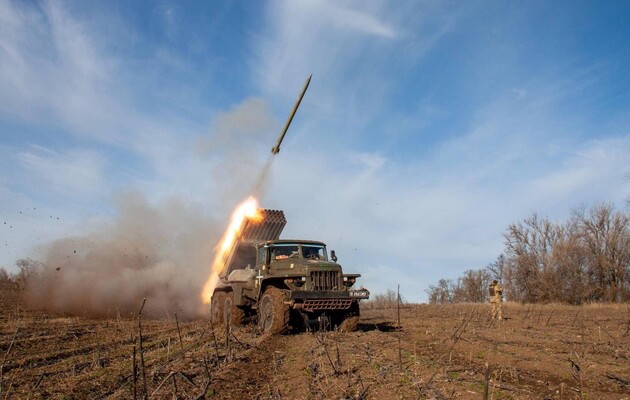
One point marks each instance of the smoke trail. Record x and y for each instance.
(242, 141)
(259, 185)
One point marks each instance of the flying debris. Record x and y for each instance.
(276, 148)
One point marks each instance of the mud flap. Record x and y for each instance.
(238, 294)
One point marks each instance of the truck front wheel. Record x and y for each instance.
(273, 314)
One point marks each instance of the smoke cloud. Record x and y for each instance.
(242, 140)
(159, 252)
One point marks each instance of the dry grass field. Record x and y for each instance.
(437, 352)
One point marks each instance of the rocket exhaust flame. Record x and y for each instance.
(247, 210)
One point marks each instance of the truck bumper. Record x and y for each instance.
(326, 300)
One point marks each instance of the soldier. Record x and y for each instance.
(496, 299)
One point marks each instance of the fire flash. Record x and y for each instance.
(247, 210)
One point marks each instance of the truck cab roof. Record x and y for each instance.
(289, 241)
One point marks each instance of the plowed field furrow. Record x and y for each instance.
(32, 346)
(438, 352)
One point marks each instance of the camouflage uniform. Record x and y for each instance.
(496, 300)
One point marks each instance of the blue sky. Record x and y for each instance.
(428, 126)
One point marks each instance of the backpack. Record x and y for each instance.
(491, 290)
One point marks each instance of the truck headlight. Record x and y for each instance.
(349, 281)
(299, 281)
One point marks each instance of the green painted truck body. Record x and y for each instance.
(297, 279)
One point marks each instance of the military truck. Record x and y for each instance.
(284, 284)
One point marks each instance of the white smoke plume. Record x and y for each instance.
(160, 252)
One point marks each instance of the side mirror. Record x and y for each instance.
(333, 256)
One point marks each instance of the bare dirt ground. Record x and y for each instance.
(438, 352)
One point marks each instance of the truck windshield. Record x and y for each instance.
(283, 251)
(314, 252)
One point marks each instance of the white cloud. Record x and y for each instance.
(345, 18)
(49, 68)
(372, 161)
(73, 172)
(53, 73)
(592, 172)
(313, 36)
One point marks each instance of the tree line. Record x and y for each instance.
(584, 259)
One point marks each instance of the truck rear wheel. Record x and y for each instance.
(273, 314)
(232, 314)
(217, 305)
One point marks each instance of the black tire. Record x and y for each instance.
(217, 305)
(231, 313)
(350, 320)
(273, 314)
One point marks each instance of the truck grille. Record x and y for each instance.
(324, 280)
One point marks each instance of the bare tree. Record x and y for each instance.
(470, 288)
(442, 293)
(529, 246)
(497, 268)
(474, 285)
(384, 300)
(605, 233)
(571, 278)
